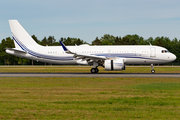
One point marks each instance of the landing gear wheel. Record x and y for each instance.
(97, 70)
(152, 71)
(94, 70)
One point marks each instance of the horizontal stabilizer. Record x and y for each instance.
(17, 50)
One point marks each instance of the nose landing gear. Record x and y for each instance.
(152, 69)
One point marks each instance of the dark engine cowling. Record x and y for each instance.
(117, 64)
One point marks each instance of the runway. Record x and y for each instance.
(109, 75)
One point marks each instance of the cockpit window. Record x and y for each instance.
(165, 51)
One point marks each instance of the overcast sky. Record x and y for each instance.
(88, 19)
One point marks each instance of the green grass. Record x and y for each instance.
(89, 98)
(85, 69)
(159, 86)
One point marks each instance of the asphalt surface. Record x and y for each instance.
(110, 75)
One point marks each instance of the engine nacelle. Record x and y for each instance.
(117, 64)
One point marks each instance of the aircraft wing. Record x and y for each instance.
(94, 57)
(83, 56)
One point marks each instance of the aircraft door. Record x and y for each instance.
(152, 52)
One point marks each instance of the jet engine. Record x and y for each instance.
(117, 64)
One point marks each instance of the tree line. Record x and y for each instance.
(172, 45)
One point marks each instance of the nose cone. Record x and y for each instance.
(173, 57)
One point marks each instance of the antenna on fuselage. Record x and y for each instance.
(150, 44)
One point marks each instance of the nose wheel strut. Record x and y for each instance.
(152, 69)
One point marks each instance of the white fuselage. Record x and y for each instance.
(132, 54)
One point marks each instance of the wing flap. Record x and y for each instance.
(85, 56)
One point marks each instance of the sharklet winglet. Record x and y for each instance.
(65, 48)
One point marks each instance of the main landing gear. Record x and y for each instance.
(94, 70)
(152, 69)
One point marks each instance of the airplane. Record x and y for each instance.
(111, 57)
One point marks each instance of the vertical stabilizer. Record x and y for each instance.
(20, 36)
